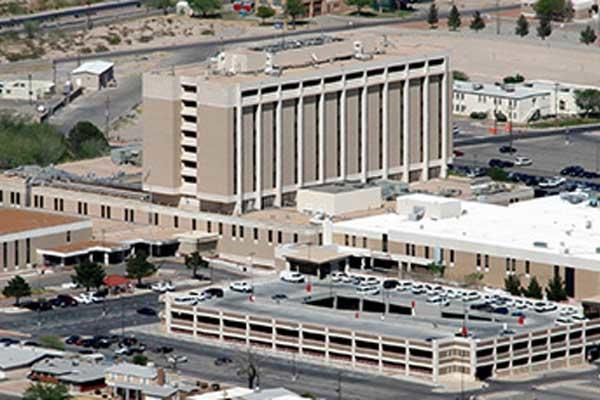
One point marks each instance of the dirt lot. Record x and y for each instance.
(146, 32)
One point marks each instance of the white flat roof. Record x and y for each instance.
(93, 67)
(488, 89)
(547, 230)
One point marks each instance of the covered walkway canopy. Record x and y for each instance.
(74, 253)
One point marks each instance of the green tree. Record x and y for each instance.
(17, 287)
(138, 267)
(588, 36)
(522, 28)
(359, 4)
(433, 17)
(205, 7)
(89, 275)
(460, 76)
(550, 9)
(52, 342)
(556, 291)
(46, 391)
(454, 21)
(512, 284)
(497, 174)
(31, 28)
(294, 9)
(534, 290)
(544, 28)
(193, 261)
(517, 78)
(140, 359)
(265, 12)
(477, 23)
(85, 140)
(588, 101)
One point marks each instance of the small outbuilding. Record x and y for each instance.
(93, 75)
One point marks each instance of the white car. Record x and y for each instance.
(185, 301)
(523, 161)
(544, 307)
(471, 296)
(552, 182)
(163, 287)
(579, 318)
(404, 285)
(177, 359)
(453, 294)
(122, 351)
(69, 285)
(438, 300)
(339, 277)
(291, 276)
(84, 298)
(367, 289)
(568, 310)
(199, 296)
(243, 287)
(417, 288)
(371, 280)
(563, 321)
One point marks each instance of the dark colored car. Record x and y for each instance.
(481, 307)
(223, 361)
(64, 300)
(102, 342)
(89, 343)
(279, 296)
(390, 284)
(8, 341)
(214, 292)
(507, 149)
(162, 350)
(73, 339)
(128, 342)
(31, 305)
(147, 311)
(138, 349)
(573, 170)
(501, 310)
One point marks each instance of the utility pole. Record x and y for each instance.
(30, 89)
(497, 17)
(107, 117)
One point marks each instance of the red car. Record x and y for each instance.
(458, 153)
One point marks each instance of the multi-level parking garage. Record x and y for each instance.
(381, 333)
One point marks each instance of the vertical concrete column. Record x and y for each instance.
(195, 324)
(380, 354)
(530, 350)
(274, 334)
(445, 122)
(258, 153)
(510, 355)
(583, 341)
(568, 345)
(327, 344)
(221, 326)
(353, 349)
(425, 122)
(363, 130)
(239, 151)
(385, 127)
(406, 127)
(347, 265)
(343, 133)
(300, 339)
(247, 330)
(406, 358)
(278, 155)
(473, 366)
(321, 131)
(169, 317)
(300, 133)
(435, 361)
(106, 259)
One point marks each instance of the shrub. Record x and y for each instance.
(460, 76)
(207, 32)
(140, 359)
(85, 50)
(518, 78)
(52, 342)
(497, 174)
(113, 39)
(101, 48)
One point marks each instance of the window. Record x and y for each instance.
(426, 251)
(208, 226)
(27, 250)
(320, 239)
(384, 242)
(346, 240)
(487, 262)
(233, 231)
(220, 227)
(5, 255)
(507, 264)
(176, 221)
(156, 219)
(452, 256)
(255, 233)
(241, 231)
(478, 262)
(194, 224)
(353, 241)
(407, 249)
(527, 267)
(364, 242)
(279, 237)
(556, 271)
(16, 252)
(270, 236)
(295, 238)
(68, 236)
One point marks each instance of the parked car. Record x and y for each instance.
(177, 359)
(367, 289)
(123, 351)
(185, 301)
(279, 297)
(573, 170)
(471, 296)
(163, 287)
(223, 360)
(242, 286)
(501, 310)
(213, 292)
(8, 341)
(563, 321)
(291, 276)
(497, 163)
(147, 311)
(417, 288)
(390, 284)
(523, 161)
(438, 300)
(63, 300)
(340, 277)
(550, 183)
(73, 339)
(404, 285)
(458, 153)
(507, 149)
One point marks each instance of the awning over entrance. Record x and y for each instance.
(74, 253)
(314, 260)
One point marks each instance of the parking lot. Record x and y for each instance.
(388, 311)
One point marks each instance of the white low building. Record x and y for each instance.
(25, 89)
(519, 103)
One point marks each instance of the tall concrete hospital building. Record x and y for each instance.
(249, 128)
